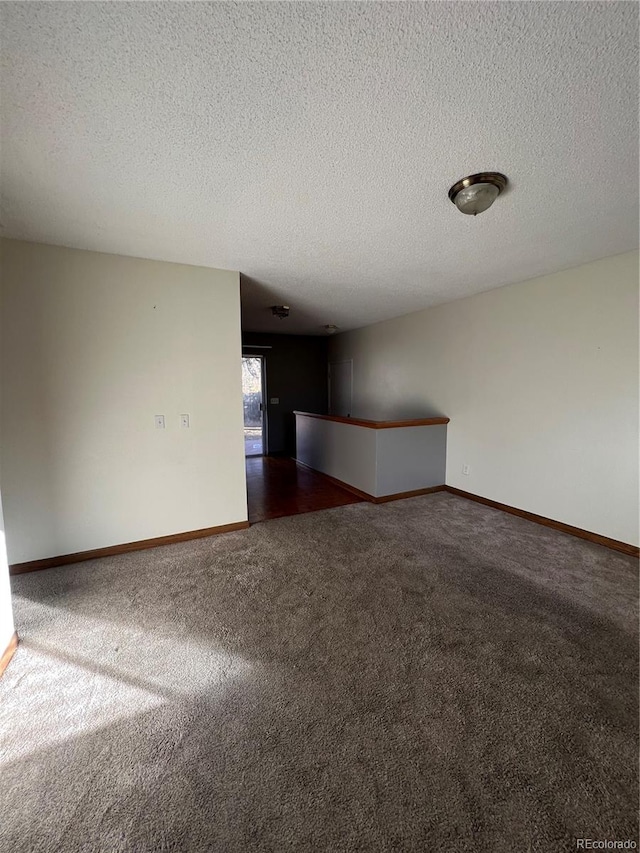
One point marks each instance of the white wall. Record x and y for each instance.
(540, 380)
(93, 346)
(380, 462)
(343, 451)
(410, 458)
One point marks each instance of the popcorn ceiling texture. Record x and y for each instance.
(311, 145)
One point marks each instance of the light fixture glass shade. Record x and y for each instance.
(476, 198)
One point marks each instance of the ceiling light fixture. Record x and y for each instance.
(476, 193)
(281, 311)
(330, 329)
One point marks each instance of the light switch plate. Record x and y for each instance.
(184, 421)
(274, 401)
(159, 419)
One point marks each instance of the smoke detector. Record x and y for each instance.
(281, 311)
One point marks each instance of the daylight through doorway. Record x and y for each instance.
(253, 404)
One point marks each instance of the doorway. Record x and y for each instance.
(253, 404)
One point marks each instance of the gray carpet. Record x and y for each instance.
(425, 675)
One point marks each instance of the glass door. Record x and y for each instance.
(253, 402)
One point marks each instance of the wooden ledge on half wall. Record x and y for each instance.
(362, 422)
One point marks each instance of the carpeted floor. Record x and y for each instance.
(425, 675)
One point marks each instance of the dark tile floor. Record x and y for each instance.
(278, 486)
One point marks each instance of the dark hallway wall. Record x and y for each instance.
(296, 368)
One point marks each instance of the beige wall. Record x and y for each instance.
(540, 380)
(93, 346)
(6, 612)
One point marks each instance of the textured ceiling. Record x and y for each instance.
(311, 145)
